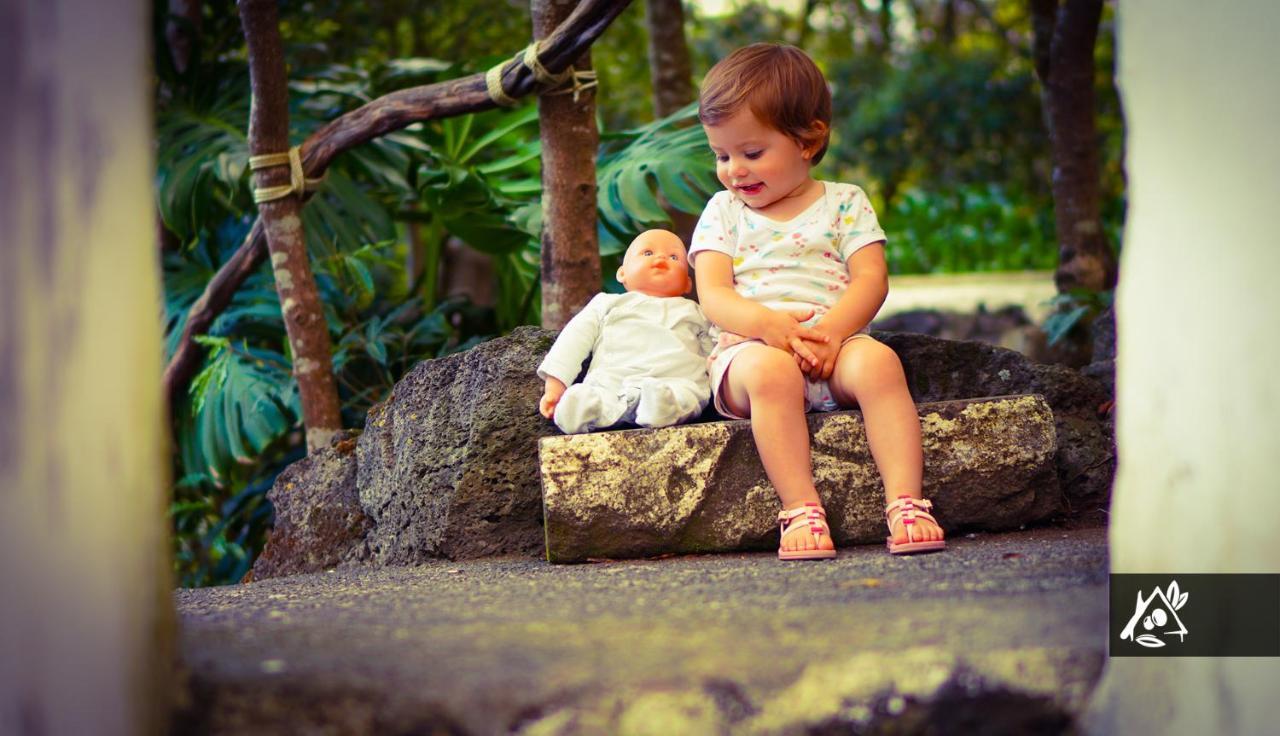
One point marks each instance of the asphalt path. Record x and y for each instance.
(706, 643)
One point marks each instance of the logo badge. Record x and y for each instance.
(1157, 617)
(1177, 614)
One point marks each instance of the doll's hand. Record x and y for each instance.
(825, 352)
(551, 393)
(784, 330)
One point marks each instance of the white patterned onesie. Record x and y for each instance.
(648, 363)
(797, 264)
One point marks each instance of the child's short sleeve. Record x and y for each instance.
(717, 229)
(856, 221)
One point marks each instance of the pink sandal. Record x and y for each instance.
(812, 518)
(906, 509)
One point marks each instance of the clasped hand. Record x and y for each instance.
(815, 349)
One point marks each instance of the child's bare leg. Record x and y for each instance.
(765, 384)
(869, 375)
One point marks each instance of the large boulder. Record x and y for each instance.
(448, 464)
(945, 370)
(319, 523)
(701, 487)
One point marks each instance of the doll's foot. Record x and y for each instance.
(586, 408)
(578, 411)
(657, 406)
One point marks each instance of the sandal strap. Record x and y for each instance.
(807, 509)
(811, 517)
(906, 510)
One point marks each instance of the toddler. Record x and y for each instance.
(791, 270)
(648, 348)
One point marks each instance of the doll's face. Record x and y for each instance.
(656, 264)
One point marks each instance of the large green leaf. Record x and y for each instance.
(665, 160)
(201, 156)
(243, 401)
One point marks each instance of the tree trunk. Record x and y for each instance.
(299, 298)
(181, 30)
(1064, 41)
(86, 628)
(670, 72)
(947, 32)
(392, 111)
(886, 28)
(570, 250)
(804, 29)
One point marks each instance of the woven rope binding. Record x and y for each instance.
(298, 181)
(582, 80)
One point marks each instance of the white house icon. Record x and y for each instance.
(1158, 614)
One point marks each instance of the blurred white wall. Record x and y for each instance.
(85, 612)
(1198, 320)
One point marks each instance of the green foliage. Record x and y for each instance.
(1074, 309)
(203, 160)
(969, 228)
(218, 534)
(941, 118)
(232, 439)
(667, 160)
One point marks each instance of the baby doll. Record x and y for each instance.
(648, 348)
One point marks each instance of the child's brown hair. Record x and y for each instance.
(781, 86)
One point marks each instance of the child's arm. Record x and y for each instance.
(735, 313)
(856, 307)
(564, 361)
(867, 289)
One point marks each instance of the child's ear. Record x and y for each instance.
(818, 132)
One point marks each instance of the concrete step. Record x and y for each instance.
(741, 643)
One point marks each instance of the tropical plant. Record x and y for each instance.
(644, 173)
(969, 228)
(239, 427)
(1074, 310)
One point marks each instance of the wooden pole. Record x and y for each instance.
(570, 246)
(299, 298)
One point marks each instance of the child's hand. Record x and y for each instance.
(784, 330)
(551, 393)
(825, 352)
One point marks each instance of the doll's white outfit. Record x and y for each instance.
(797, 264)
(648, 363)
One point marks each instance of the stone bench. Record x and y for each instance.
(989, 464)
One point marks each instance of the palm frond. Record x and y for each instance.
(665, 160)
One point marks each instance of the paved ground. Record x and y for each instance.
(736, 643)
(963, 292)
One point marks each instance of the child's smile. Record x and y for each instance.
(761, 165)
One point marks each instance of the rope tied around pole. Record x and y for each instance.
(582, 80)
(298, 181)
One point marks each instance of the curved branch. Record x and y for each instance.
(388, 113)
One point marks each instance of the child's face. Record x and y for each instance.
(759, 164)
(656, 264)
